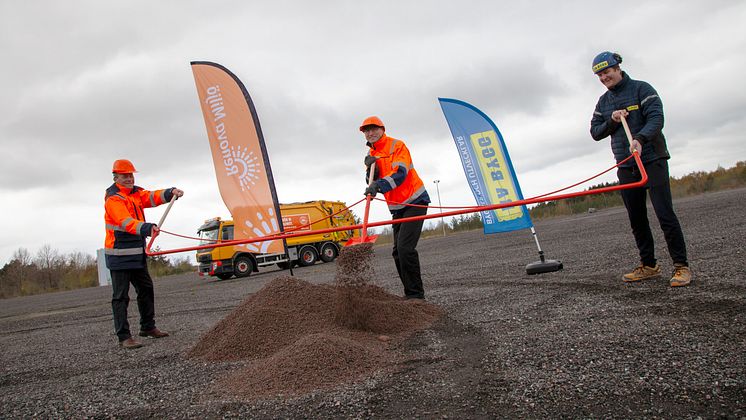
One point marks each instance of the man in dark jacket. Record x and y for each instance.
(640, 105)
(126, 230)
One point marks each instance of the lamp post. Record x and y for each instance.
(437, 189)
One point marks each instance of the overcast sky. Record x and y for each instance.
(88, 82)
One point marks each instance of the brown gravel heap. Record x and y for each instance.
(319, 360)
(297, 340)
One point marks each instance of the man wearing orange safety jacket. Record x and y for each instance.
(126, 230)
(396, 178)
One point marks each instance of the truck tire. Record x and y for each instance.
(243, 266)
(329, 252)
(307, 256)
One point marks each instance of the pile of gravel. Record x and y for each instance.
(298, 337)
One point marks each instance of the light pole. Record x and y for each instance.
(437, 189)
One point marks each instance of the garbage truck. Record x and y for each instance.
(304, 250)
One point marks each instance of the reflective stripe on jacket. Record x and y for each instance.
(126, 228)
(398, 180)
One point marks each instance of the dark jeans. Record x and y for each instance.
(120, 285)
(406, 258)
(635, 200)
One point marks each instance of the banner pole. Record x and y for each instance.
(536, 239)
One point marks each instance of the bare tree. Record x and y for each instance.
(50, 263)
(48, 258)
(80, 260)
(22, 256)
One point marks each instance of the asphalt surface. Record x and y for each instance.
(578, 343)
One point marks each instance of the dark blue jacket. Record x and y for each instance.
(645, 120)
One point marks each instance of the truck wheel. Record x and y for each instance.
(329, 252)
(242, 267)
(307, 256)
(225, 276)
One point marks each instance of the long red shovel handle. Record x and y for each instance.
(368, 199)
(364, 234)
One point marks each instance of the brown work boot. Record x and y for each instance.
(682, 276)
(642, 272)
(130, 343)
(154, 333)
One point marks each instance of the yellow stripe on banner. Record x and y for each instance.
(496, 174)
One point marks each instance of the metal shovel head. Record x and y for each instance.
(546, 266)
(361, 240)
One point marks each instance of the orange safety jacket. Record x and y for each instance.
(126, 228)
(397, 178)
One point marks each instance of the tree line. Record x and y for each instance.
(50, 271)
(691, 184)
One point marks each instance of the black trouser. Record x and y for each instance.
(635, 200)
(120, 285)
(406, 258)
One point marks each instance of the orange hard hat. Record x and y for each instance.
(372, 121)
(123, 166)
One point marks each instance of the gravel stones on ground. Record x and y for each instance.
(577, 343)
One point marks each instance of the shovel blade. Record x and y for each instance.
(361, 240)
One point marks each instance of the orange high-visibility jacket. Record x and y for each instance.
(398, 180)
(126, 228)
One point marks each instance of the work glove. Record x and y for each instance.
(369, 160)
(148, 229)
(372, 189)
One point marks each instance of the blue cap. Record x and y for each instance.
(606, 59)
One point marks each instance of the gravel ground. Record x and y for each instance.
(578, 343)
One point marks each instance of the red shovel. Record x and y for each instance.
(364, 238)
